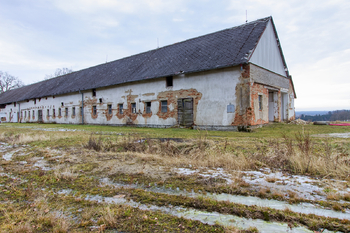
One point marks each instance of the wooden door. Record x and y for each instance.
(185, 112)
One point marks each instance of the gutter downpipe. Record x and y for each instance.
(82, 107)
(19, 113)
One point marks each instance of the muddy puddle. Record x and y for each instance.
(303, 186)
(202, 216)
(305, 208)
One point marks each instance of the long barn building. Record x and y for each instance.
(230, 79)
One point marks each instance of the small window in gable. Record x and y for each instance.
(164, 105)
(93, 92)
(148, 107)
(169, 81)
(14, 104)
(133, 107)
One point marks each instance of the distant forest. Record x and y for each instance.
(338, 115)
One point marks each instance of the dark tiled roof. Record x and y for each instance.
(226, 48)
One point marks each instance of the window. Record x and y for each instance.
(25, 114)
(81, 111)
(29, 114)
(120, 108)
(169, 81)
(100, 100)
(73, 111)
(48, 112)
(109, 106)
(148, 107)
(33, 114)
(34, 101)
(133, 107)
(62, 104)
(14, 104)
(94, 110)
(22, 114)
(93, 92)
(66, 112)
(59, 112)
(53, 112)
(164, 105)
(260, 102)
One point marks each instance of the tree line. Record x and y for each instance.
(338, 115)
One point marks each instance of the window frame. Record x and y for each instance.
(53, 112)
(94, 110)
(120, 108)
(148, 108)
(48, 113)
(59, 112)
(73, 111)
(164, 106)
(260, 101)
(109, 108)
(94, 92)
(66, 112)
(133, 108)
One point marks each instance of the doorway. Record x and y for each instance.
(185, 112)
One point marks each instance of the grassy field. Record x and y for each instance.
(54, 177)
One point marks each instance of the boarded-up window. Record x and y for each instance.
(164, 105)
(120, 106)
(133, 107)
(73, 111)
(109, 106)
(148, 107)
(94, 110)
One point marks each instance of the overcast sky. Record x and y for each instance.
(38, 36)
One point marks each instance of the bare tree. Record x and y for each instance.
(9, 82)
(59, 72)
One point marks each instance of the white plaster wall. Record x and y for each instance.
(217, 89)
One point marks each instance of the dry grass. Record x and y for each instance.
(65, 173)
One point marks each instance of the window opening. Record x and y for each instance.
(93, 92)
(66, 112)
(120, 108)
(59, 112)
(14, 104)
(25, 114)
(260, 102)
(62, 104)
(109, 109)
(133, 107)
(54, 112)
(81, 111)
(33, 113)
(94, 110)
(164, 105)
(48, 112)
(34, 101)
(73, 111)
(29, 114)
(169, 81)
(100, 100)
(148, 107)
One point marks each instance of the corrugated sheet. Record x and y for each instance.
(221, 49)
